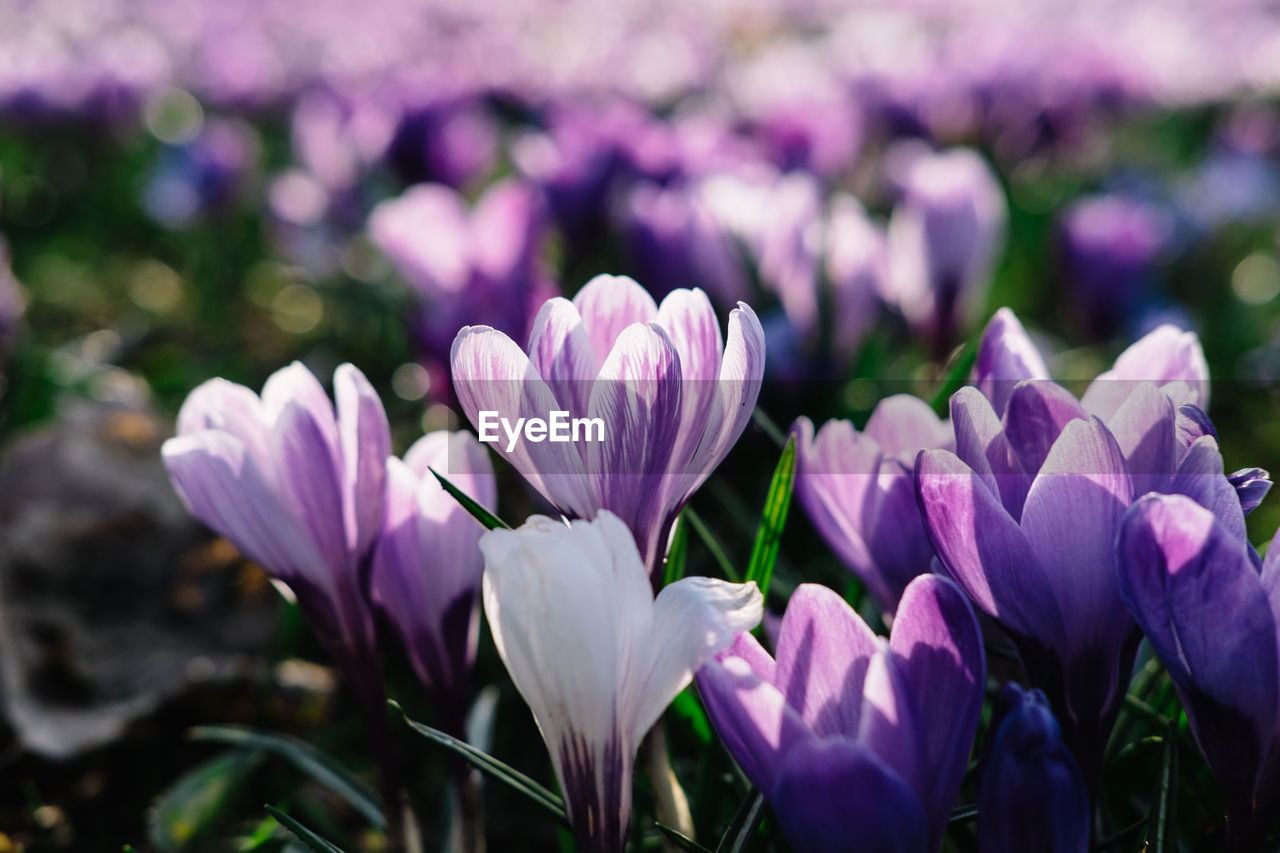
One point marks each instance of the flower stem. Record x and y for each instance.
(672, 804)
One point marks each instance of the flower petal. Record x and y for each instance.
(1036, 415)
(833, 795)
(1199, 477)
(984, 550)
(1166, 356)
(365, 439)
(824, 649)
(1006, 356)
(1145, 427)
(981, 443)
(889, 723)
(937, 639)
(562, 355)
(694, 619)
(610, 303)
(1195, 592)
(903, 425)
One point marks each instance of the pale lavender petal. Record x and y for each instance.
(981, 443)
(311, 486)
(889, 724)
(608, 304)
(903, 425)
(298, 386)
(1164, 356)
(1145, 427)
(366, 443)
(824, 650)
(562, 355)
(1036, 415)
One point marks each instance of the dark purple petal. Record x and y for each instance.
(1200, 478)
(833, 795)
(1145, 427)
(1196, 594)
(984, 550)
(982, 445)
(1251, 485)
(936, 636)
(1035, 417)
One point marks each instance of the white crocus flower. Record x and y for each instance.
(595, 656)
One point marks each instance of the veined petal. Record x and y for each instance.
(984, 550)
(1006, 356)
(230, 408)
(221, 485)
(937, 639)
(738, 386)
(694, 619)
(297, 385)
(824, 649)
(1196, 594)
(833, 795)
(1036, 415)
(608, 304)
(311, 486)
(639, 397)
(366, 443)
(1070, 519)
(689, 320)
(561, 353)
(490, 373)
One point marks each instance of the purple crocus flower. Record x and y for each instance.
(671, 395)
(450, 140)
(944, 236)
(1024, 517)
(855, 741)
(467, 267)
(1211, 610)
(595, 655)
(1110, 245)
(1030, 794)
(1006, 356)
(427, 565)
(859, 490)
(299, 490)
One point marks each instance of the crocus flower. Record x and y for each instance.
(451, 140)
(1211, 610)
(595, 655)
(856, 263)
(1024, 517)
(859, 490)
(427, 564)
(944, 236)
(1109, 246)
(1030, 794)
(299, 490)
(671, 395)
(857, 742)
(466, 267)
(1006, 356)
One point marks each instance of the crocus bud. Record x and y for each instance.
(1030, 795)
(427, 564)
(1110, 245)
(595, 656)
(944, 236)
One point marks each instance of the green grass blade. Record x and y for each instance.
(479, 513)
(744, 823)
(191, 807)
(679, 839)
(306, 758)
(713, 545)
(777, 505)
(1162, 823)
(490, 766)
(306, 836)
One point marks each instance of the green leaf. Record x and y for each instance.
(709, 539)
(306, 836)
(679, 839)
(324, 769)
(744, 823)
(687, 707)
(961, 364)
(479, 513)
(777, 504)
(490, 766)
(1163, 828)
(194, 803)
(678, 554)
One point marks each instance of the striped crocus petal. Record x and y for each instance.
(595, 657)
